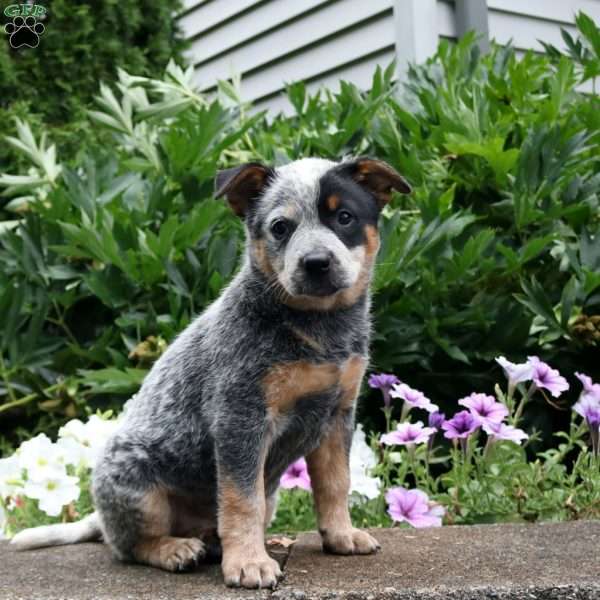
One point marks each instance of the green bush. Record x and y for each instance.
(83, 43)
(496, 252)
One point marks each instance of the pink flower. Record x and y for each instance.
(502, 431)
(414, 507)
(516, 373)
(484, 408)
(460, 426)
(547, 378)
(413, 398)
(408, 433)
(296, 475)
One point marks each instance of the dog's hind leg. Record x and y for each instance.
(157, 546)
(138, 522)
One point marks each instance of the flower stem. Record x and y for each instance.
(18, 402)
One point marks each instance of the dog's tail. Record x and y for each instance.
(86, 530)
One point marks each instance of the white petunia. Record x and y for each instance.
(41, 458)
(72, 452)
(53, 493)
(10, 476)
(515, 373)
(92, 435)
(362, 460)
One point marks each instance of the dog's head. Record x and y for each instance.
(312, 224)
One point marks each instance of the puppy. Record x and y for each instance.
(268, 373)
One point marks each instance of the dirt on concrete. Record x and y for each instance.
(523, 562)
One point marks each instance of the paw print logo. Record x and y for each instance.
(24, 32)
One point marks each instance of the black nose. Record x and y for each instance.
(317, 262)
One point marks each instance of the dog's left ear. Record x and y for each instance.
(377, 177)
(242, 185)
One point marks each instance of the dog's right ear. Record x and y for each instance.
(242, 185)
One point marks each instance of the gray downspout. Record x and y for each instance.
(473, 15)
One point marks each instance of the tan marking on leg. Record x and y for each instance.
(157, 547)
(156, 512)
(241, 518)
(285, 383)
(241, 529)
(330, 480)
(308, 340)
(333, 202)
(352, 373)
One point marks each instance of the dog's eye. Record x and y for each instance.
(344, 217)
(279, 229)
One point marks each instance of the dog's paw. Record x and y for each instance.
(181, 554)
(351, 541)
(251, 572)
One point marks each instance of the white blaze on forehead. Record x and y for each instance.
(302, 176)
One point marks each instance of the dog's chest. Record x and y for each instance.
(286, 383)
(302, 398)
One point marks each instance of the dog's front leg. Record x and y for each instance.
(328, 466)
(242, 508)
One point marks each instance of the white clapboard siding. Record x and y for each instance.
(446, 25)
(275, 42)
(360, 73)
(253, 24)
(367, 24)
(525, 22)
(212, 13)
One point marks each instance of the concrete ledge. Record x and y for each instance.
(558, 561)
(551, 561)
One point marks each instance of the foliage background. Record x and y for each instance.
(108, 255)
(83, 43)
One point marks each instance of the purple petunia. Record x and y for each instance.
(547, 378)
(484, 408)
(413, 507)
(383, 382)
(588, 405)
(460, 426)
(589, 387)
(589, 408)
(413, 398)
(502, 431)
(436, 420)
(296, 475)
(408, 433)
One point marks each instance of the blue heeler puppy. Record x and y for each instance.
(268, 373)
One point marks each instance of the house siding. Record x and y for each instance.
(273, 42)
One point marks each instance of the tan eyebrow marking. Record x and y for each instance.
(333, 202)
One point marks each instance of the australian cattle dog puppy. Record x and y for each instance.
(268, 373)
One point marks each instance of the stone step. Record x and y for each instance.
(552, 561)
